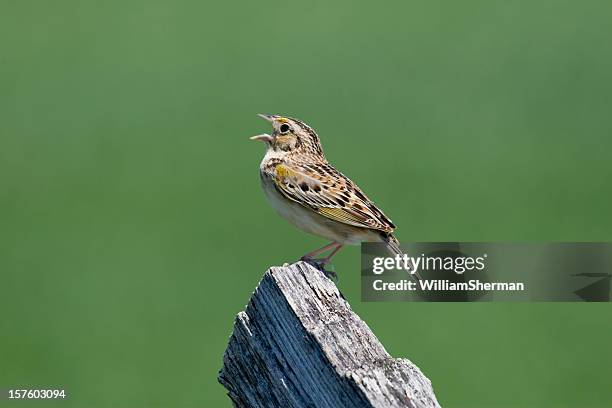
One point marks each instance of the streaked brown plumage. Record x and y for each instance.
(311, 194)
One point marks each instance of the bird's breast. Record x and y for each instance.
(309, 221)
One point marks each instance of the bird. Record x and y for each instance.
(310, 193)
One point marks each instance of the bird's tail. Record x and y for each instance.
(393, 245)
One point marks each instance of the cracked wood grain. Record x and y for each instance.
(298, 344)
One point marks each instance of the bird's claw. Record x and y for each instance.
(330, 274)
(320, 265)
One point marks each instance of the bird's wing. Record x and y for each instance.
(328, 192)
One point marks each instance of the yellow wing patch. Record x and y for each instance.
(282, 172)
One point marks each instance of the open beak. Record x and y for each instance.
(262, 138)
(265, 137)
(269, 118)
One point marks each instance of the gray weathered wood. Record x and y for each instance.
(299, 344)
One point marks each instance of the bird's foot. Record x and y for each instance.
(320, 265)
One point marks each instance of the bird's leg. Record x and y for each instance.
(328, 258)
(310, 256)
(330, 274)
(320, 263)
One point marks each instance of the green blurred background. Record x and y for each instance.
(133, 228)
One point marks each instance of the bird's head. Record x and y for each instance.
(290, 135)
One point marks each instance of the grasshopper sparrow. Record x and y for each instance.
(311, 194)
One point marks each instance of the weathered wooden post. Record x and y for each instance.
(298, 344)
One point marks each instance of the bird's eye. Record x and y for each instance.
(284, 128)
